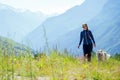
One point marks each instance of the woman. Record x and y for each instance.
(88, 42)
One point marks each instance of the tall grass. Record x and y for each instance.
(56, 66)
(23, 65)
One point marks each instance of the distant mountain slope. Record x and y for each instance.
(105, 27)
(16, 24)
(60, 25)
(108, 22)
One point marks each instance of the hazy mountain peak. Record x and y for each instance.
(17, 23)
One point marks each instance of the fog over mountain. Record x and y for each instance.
(16, 23)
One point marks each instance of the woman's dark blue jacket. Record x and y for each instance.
(87, 37)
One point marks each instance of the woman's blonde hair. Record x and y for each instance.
(83, 25)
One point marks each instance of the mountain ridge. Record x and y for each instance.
(64, 23)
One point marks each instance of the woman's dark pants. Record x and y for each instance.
(87, 49)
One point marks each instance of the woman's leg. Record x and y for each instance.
(89, 57)
(85, 50)
(90, 47)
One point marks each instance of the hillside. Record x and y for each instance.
(10, 47)
(105, 27)
(107, 35)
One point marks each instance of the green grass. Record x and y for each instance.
(56, 66)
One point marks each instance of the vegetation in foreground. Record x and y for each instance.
(19, 64)
(55, 66)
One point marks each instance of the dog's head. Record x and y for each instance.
(99, 53)
(102, 55)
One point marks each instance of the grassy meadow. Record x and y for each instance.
(20, 64)
(55, 66)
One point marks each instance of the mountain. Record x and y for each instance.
(105, 27)
(15, 23)
(55, 27)
(107, 33)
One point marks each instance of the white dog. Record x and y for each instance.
(102, 55)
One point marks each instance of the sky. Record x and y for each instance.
(45, 6)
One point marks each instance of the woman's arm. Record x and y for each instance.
(81, 38)
(91, 35)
